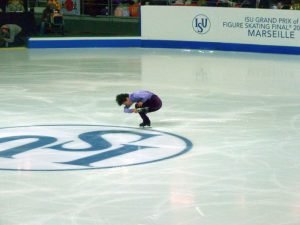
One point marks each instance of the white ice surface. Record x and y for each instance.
(241, 111)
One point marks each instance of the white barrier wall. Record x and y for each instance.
(266, 27)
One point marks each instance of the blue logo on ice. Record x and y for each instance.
(77, 147)
(201, 24)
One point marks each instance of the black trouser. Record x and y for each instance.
(154, 104)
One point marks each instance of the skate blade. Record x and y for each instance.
(146, 127)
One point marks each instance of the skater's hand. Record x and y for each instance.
(135, 110)
(140, 104)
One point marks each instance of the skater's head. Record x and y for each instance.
(123, 99)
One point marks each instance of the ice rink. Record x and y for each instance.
(224, 149)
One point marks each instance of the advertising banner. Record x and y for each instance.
(222, 25)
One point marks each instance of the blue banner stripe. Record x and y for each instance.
(220, 46)
(118, 43)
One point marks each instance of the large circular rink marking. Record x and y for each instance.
(81, 147)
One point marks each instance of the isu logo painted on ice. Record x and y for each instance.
(201, 24)
(77, 147)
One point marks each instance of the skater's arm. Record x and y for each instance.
(128, 110)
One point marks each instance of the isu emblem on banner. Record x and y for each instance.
(201, 24)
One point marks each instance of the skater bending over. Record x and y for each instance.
(145, 102)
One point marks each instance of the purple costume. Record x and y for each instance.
(149, 100)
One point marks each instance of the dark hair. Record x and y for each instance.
(121, 98)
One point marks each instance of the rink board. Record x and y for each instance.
(254, 30)
(248, 30)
